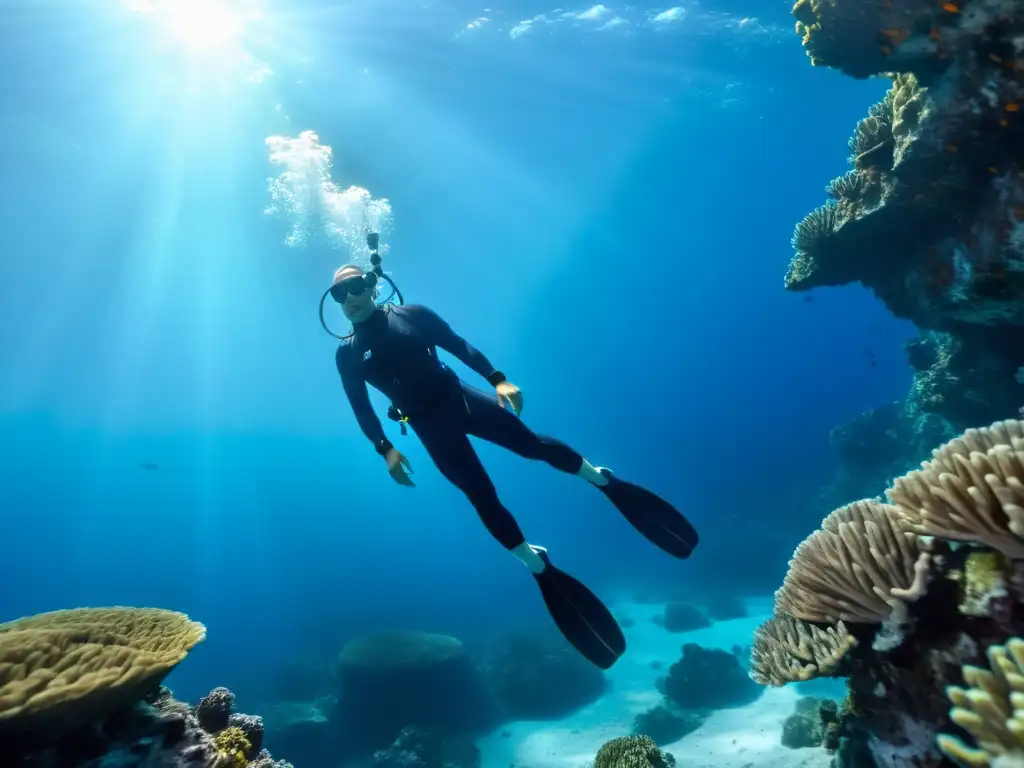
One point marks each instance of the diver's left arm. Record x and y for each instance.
(440, 334)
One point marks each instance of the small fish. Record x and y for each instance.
(148, 466)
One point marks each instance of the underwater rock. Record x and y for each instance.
(664, 725)
(708, 678)
(393, 679)
(682, 617)
(540, 678)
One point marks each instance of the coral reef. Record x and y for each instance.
(930, 217)
(632, 752)
(708, 678)
(962, 507)
(82, 687)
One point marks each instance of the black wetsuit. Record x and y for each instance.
(395, 352)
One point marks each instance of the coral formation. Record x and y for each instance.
(859, 567)
(632, 752)
(808, 725)
(82, 688)
(66, 667)
(962, 502)
(971, 490)
(789, 650)
(232, 744)
(708, 678)
(930, 217)
(214, 709)
(991, 710)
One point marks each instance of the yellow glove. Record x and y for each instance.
(510, 397)
(397, 464)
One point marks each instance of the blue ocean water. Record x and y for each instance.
(598, 197)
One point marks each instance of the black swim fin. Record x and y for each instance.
(580, 615)
(655, 518)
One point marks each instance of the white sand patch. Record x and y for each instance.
(746, 737)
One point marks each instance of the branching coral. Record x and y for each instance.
(859, 567)
(991, 710)
(788, 650)
(971, 490)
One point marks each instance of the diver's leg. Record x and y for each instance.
(489, 421)
(655, 518)
(453, 454)
(581, 617)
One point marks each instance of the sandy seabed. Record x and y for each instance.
(745, 737)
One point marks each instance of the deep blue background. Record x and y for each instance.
(605, 213)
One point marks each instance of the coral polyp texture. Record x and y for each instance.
(903, 600)
(859, 567)
(971, 490)
(69, 665)
(991, 710)
(790, 650)
(930, 216)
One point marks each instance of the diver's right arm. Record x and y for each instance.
(359, 398)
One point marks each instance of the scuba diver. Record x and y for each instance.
(393, 348)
